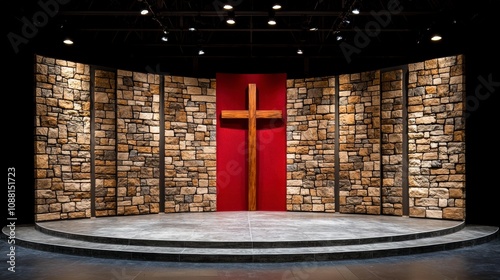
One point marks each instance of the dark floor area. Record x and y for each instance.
(474, 263)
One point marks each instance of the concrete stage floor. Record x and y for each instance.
(245, 237)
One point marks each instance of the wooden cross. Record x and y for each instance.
(252, 114)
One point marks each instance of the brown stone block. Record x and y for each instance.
(81, 176)
(453, 213)
(47, 217)
(101, 213)
(320, 84)
(48, 121)
(459, 136)
(81, 195)
(297, 199)
(131, 191)
(457, 178)
(417, 212)
(40, 173)
(440, 171)
(199, 136)
(456, 193)
(459, 203)
(373, 210)
(430, 89)
(457, 70)
(131, 210)
(125, 111)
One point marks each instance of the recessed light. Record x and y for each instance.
(436, 37)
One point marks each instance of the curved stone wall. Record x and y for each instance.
(115, 142)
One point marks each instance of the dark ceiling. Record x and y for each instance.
(112, 33)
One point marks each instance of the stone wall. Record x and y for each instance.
(436, 138)
(98, 137)
(115, 142)
(310, 144)
(400, 137)
(138, 143)
(104, 148)
(62, 140)
(359, 143)
(190, 124)
(392, 149)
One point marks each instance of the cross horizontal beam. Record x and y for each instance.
(244, 114)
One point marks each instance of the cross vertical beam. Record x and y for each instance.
(252, 147)
(252, 114)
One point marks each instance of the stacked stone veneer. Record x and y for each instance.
(311, 144)
(383, 155)
(104, 149)
(190, 125)
(114, 142)
(436, 138)
(392, 149)
(359, 143)
(98, 138)
(138, 143)
(62, 140)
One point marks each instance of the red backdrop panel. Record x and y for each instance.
(232, 144)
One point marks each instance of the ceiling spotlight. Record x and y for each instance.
(192, 29)
(276, 6)
(145, 8)
(355, 11)
(299, 51)
(68, 41)
(313, 29)
(164, 38)
(436, 37)
(271, 20)
(201, 52)
(339, 37)
(230, 18)
(228, 7)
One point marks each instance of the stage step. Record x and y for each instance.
(245, 244)
(468, 235)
